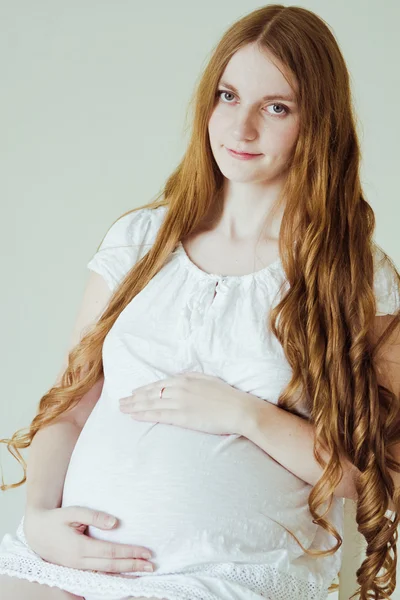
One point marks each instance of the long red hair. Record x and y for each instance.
(326, 249)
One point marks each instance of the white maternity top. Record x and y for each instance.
(212, 509)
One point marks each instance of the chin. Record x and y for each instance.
(242, 173)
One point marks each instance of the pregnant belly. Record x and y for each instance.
(191, 497)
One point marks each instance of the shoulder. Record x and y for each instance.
(127, 240)
(386, 283)
(137, 227)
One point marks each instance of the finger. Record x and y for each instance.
(92, 548)
(143, 392)
(150, 400)
(168, 382)
(87, 516)
(154, 385)
(151, 404)
(79, 527)
(121, 565)
(168, 417)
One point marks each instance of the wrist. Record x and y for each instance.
(33, 508)
(253, 415)
(249, 414)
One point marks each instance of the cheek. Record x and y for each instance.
(216, 124)
(281, 139)
(291, 133)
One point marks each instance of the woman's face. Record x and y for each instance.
(244, 121)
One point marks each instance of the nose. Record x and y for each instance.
(244, 126)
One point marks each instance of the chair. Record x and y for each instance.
(353, 552)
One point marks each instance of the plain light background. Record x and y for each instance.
(93, 101)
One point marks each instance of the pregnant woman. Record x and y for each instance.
(228, 395)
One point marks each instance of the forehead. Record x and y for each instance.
(258, 72)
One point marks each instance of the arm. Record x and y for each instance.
(265, 422)
(58, 534)
(50, 452)
(289, 439)
(52, 446)
(49, 456)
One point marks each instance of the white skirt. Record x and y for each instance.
(229, 581)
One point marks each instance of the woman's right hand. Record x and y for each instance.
(58, 536)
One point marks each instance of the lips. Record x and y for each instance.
(243, 153)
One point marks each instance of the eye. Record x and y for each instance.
(221, 92)
(282, 106)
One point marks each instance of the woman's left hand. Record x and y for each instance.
(190, 400)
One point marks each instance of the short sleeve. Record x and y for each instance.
(386, 287)
(125, 243)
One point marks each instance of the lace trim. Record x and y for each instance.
(263, 580)
(271, 584)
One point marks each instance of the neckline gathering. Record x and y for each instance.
(218, 276)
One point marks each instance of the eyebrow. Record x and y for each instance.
(267, 97)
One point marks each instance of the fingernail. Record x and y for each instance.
(146, 555)
(148, 568)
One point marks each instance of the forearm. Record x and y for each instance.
(289, 439)
(51, 449)
(49, 456)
